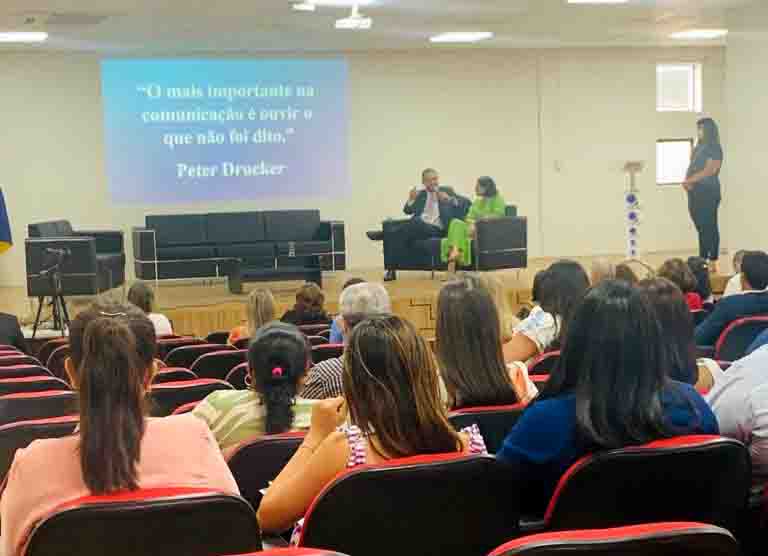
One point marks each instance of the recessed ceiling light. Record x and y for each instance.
(598, 1)
(23, 36)
(306, 6)
(462, 36)
(699, 34)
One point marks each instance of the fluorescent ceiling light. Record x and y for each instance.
(700, 34)
(462, 36)
(306, 6)
(343, 3)
(598, 1)
(355, 22)
(24, 36)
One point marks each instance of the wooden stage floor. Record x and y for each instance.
(198, 307)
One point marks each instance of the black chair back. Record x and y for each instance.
(737, 337)
(494, 422)
(18, 359)
(687, 478)
(324, 352)
(654, 539)
(37, 405)
(236, 377)
(195, 522)
(314, 329)
(14, 371)
(257, 462)
(185, 356)
(544, 364)
(56, 360)
(167, 345)
(173, 374)
(166, 397)
(16, 385)
(20, 434)
(468, 503)
(217, 364)
(220, 337)
(48, 348)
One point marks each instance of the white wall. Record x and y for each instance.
(553, 127)
(747, 109)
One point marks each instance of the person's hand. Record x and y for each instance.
(414, 193)
(327, 416)
(443, 196)
(687, 185)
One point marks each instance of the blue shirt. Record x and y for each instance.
(336, 336)
(728, 310)
(759, 342)
(545, 441)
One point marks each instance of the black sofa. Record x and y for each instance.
(500, 243)
(93, 261)
(243, 246)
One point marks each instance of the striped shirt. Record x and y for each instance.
(235, 416)
(325, 380)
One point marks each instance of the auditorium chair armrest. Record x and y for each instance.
(107, 241)
(532, 525)
(270, 542)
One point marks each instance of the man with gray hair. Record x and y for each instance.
(356, 304)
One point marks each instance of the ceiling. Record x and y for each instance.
(206, 26)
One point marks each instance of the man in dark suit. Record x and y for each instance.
(431, 207)
(753, 301)
(10, 332)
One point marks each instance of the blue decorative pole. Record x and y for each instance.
(632, 204)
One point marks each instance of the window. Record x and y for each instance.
(678, 88)
(673, 156)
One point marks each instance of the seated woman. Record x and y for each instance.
(700, 269)
(611, 389)
(456, 248)
(468, 341)
(677, 326)
(143, 297)
(117, 447)
(556, 291)
(677, 272)
(495, 287)
(602, 269)
(393, 405)
(260, 311)
(308, 308)
(337, 336)
(278, 360)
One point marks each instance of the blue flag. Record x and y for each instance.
(5, 226)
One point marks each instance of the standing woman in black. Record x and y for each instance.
(702, 183)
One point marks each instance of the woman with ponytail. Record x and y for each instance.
(278, 360)
(116, 447)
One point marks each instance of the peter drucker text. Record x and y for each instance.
(229, 170)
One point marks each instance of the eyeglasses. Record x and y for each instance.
(112, 315)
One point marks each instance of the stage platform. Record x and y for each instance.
(200, 307)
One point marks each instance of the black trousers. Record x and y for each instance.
(703, 209)
(401, 243)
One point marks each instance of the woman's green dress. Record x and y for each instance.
(459, 230)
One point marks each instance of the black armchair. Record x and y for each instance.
(94, 261)
(499, 243)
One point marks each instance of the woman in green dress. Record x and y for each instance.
(456, 248)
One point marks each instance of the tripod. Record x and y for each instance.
(58, 304)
